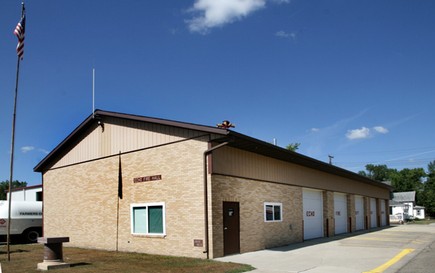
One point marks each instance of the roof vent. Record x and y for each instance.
(225, 125)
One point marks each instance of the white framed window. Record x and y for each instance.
(148, 219)
(272, 212)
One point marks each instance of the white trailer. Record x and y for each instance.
(26, 219)
(28, 193)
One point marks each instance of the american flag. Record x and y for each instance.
(19, 32)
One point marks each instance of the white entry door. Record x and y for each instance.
(373, 213)
(359, 212)
(313, 214)
(340, 213)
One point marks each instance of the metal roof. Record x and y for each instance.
(235, 140)
(406, 196)
(25, 188)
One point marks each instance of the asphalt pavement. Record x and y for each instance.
(408, 248)
(423, 262)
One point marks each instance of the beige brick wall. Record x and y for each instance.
(378, 212)
(80, 201)
(367, 212)
(351, 212)
(328, 214)
(255, 233)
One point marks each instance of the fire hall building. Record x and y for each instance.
(139, 184)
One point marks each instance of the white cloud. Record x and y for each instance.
(364, 132)
(215, 13)
(319, 140)
(286, 35)
(281, 1)
(26, 149)
(380, 129)
(43, 151)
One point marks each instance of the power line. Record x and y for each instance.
(423, 149)
(399, 164)
(377, 162)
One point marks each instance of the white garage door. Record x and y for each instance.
(313, 214)
(373, 216)
(340, 211)
(359, 212)
(383, 214)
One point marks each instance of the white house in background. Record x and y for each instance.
(419, 212)
(403, 207)
(30, 193)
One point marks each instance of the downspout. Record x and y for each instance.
(206, 153)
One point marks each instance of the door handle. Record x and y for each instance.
(225, 228)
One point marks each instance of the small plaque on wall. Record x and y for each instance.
(198, 243)
(147, 178)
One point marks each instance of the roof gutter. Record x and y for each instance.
(206, 235)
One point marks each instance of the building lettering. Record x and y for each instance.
(310, 213)
(147, 178)
(30, 213)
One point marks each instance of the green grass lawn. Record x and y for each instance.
(24, 259)
(423, 222)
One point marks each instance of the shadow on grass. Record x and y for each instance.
(14, 251)
(79, 264)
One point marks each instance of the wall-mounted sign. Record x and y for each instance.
(198, 243)
(311, 213)
(147, 178)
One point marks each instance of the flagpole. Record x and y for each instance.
(12, 159)
(12, 149)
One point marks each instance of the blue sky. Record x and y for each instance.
(351, 79)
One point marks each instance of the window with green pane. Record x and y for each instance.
(155, 219)
(148, 218)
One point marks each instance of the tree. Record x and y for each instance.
(293, 147)
(409, 180)
(428, 193)
(378, 172)
(4, 187)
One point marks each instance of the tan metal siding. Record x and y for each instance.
(86, 148)
(118, 135)
(239, 163)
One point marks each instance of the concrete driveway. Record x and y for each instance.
(383, 250)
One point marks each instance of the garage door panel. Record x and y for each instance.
(313, 214)
(340, 213)
(359, 212)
